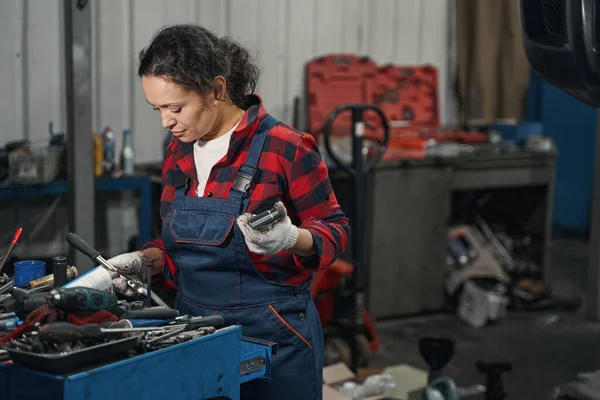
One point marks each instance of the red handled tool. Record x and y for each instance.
(11, 246)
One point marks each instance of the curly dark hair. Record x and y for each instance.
(192, 56)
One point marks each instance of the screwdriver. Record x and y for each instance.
(184, 322)
(61, 332)
(81, 299)
(215, 321)
(189, 324)
(11, 246)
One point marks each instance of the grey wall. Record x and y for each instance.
(283, 35)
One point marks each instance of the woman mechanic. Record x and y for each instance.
(230, 159)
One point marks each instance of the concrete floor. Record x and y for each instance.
(546, 348)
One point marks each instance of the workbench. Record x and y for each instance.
(209, 367)
(411, 207)
(142, 184)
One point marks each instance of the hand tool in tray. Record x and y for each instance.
(67, 358)
(61, 332)
(81, 245)
(61, 363)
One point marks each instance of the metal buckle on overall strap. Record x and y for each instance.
(180, 180)
(243, 179)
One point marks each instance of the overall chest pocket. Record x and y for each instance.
(194, 227)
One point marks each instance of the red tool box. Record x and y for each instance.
(407, 95)
(334, 80)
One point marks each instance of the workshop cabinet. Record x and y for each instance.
(407, 263)
(408, 213)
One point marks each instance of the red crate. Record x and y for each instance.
(407, 95)
(332, 81)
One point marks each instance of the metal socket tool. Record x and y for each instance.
(265, 219)
(7, 287)
(137, 287)
(81, 245)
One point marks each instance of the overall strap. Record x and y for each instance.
(244, 178)
(181, 182)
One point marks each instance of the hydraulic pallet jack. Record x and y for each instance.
(349, 314)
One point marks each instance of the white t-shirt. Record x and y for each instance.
(207, 154)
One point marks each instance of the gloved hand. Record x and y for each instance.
(282, 235)
(130, 265)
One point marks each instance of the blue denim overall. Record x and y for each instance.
(216, 275)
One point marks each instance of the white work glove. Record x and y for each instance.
(130, 266)
(282, 235)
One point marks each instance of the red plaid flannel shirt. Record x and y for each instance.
(291, 170)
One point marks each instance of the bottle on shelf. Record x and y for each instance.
(127, 155)
(109, 141)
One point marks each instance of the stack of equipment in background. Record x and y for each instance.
(408, 95)
(430, 180)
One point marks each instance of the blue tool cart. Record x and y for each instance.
(208, 367)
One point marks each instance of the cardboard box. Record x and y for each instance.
(335, 375)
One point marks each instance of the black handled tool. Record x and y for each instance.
(22, 302)
(353, 325)
(31, 302)
(151, 313)
(81, 245)
(61, 332)
(17, 302)
(216, 321)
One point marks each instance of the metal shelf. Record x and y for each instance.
(142, 184)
